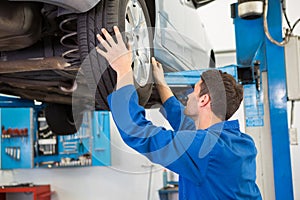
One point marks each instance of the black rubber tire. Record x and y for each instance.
(100, 77)
(60, 119)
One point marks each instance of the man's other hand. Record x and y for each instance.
(158, 73)
(163, 89)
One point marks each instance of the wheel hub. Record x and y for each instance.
(137, 32)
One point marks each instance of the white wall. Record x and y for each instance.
(293, 14)
(219, 25)
(295, 149)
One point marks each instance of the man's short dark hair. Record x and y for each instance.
(214, 83)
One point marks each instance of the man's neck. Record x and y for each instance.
(206, 121)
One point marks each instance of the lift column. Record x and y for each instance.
(266, 99)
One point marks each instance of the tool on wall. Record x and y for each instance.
(47, 143)
(14, 132)
(13, 152)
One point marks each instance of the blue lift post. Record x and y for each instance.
(252, 45)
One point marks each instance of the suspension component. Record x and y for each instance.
(69, 40)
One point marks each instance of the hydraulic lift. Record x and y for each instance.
(261, 69)
(254, 48)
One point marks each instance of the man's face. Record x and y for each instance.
(191, 109)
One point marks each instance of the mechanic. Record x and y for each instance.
(213, 158)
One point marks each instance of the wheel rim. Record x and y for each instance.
(137, 31)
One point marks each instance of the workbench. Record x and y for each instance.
(39, 192)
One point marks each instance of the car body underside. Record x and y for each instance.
(44, 43)
(34, 45)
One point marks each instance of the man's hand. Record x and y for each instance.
(163, 89)
(158, 73)
(116, 53)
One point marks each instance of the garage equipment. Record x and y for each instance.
(252, 45)
(27, 141)
(261, 69)
(16, 146)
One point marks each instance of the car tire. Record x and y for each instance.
(100, 77)
(62, 120)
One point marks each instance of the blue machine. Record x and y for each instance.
(252, 45)
(22, 147)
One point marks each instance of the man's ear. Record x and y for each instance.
(204, 100)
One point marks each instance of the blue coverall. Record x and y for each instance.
(215, 163)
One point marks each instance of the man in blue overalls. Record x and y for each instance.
(213, 158)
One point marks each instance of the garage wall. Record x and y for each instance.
(128, 177)
(295, 150)
(293, 13)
